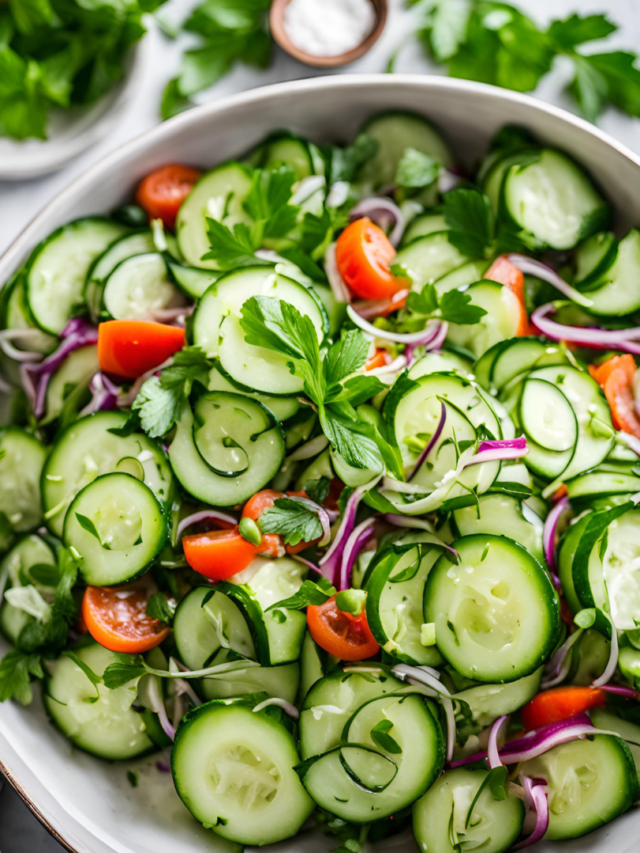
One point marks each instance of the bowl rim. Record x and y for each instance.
(13, 255)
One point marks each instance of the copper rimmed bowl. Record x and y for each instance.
(86, 803)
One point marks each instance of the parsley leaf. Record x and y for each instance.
(344, 358)
(122, 671)
(268, 201)
(344, 163)
(160, 401)
(17, 668)
(456, 307)
(318, 231)
(231, 32)
(90, 527)
(470, 218)
(318, 490)
(577, 29)
(294, 521)
(381, 737)
(417, 170)
(159, 608)
(309, 593)
(231, 249)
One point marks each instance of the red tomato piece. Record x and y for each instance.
(341, 634)
(116, 617)
(130, 348)
(162, 192)
(561, 703)
(364, 255)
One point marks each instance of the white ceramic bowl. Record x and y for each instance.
(71, 132)
(86, 803)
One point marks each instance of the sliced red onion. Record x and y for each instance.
(560, 664)
(35, 377)
(437, 342)
(183, 686)
(320, 511)
(126, 400)
(220, 670)
(632, 441)
(163, 767)
(427, 450)
(332, 560)
(307, 563)
(448, 180)
(338, 286)
(499, 451)
(426, 675)
(394, 366)
(384, 213)
(493, 754)
(529, 266)
(169, 315)
(369, 308)
(619, 690)
(537, 794)
(537, 742)
(338, 194)
(104, 395)
(549, 533)
(354, 545)
(290, 709)
(610, 668)
(619, 339)
(420, 524)
(220, 519)
(8, 335)
(422, 337)
(158, 707)
(447, 706)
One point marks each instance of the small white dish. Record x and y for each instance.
(70, 132)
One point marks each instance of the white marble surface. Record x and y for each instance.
(19, 202)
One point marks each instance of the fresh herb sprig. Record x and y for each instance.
(496, 43)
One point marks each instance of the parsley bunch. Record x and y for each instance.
(61, 53)
(231, 31)
(41, 638)
(331, 382)
(496, 43)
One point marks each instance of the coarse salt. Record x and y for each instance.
(328, 27)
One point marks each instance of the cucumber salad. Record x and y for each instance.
(319, 479)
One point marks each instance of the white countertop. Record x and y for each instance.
(20, 201)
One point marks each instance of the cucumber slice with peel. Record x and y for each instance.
(22, 459)
(139, 288)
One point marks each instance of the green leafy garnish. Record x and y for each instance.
(381, 737)
(344, 163)
(454, 306)
(294, 521)
(231, 32)
(318, 490)
(309, 593)
(158, 607)
(161, 399)
(470, 219)
(495, 43)
(122, 671)
(90, 527)
(417, 170)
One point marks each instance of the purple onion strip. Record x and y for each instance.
(430, 445)
(423, 337)
(529, 266)
(337, 284)
(384, 213)
(619, 690)
(610, 668)
(621, 339)
(354, 545)
(332, 560)
(163, 767)
(104, 395)
(493, 752)
(212, 515)
(539, 801)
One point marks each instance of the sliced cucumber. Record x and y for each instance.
(217, 330)
(360, 787)
(629, 732)
(394, 132)
(500, 322)
(278, 682)
(140, 287)
(217, 195)
(94, 718)
(617, 293)
(58, 267)
(233, 770)
(286, 149)
(22, 459)
(29, 551)
(566, 552)
(449, 818)
(17, 316)
(598, 484)
(138, 243)
(502, 515)
(206, 621)
(117, 526)
(496, 612)
(593, 259)
(70, 381)
(487, 702)
(87, 449)
(332, 701)
(595, 430)
(277, 634)
(282, 407)
(395, 588)
(590, 782)
(553, 201)
(190, 280)
(314, 664)
(461, 276)
(257, 437)
(522, 354)
(424, 224)
(547, 416)
(445, 361)
(429, 258)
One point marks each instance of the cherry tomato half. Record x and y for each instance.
(162, 192)
(364, 255)
(116, 617)
(341, 634)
